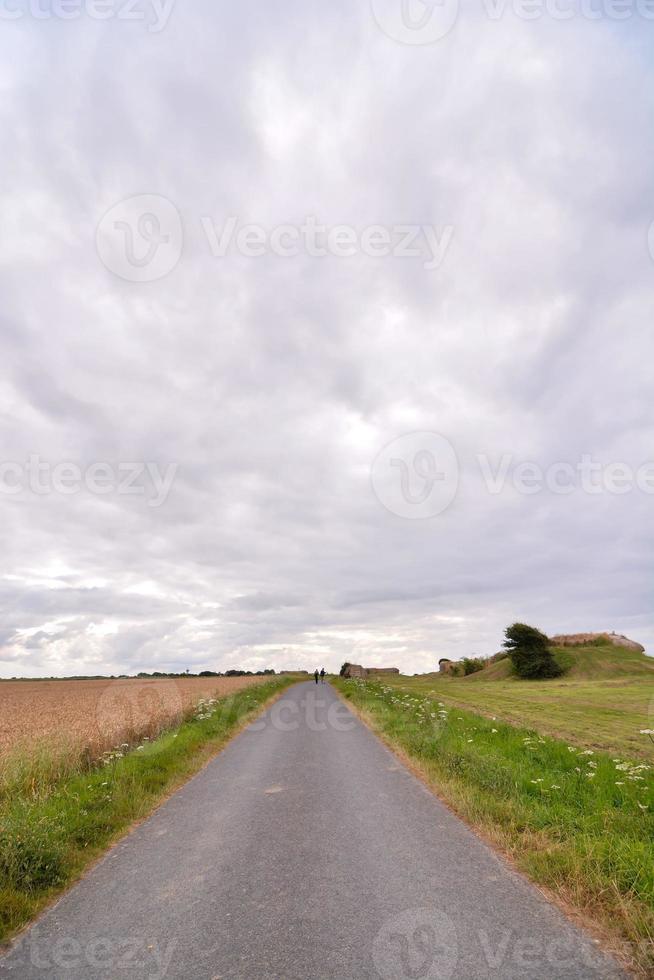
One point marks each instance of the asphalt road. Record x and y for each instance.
(305, 851)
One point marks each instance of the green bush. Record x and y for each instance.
(530, 653)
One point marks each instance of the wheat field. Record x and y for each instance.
(96, 715)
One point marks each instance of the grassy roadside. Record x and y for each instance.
(56, 819)
(580, 823)
(605, 714)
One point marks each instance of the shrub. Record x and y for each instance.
(471, 665)
(530, 653)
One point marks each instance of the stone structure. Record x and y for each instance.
(578, 639)
(356, 670)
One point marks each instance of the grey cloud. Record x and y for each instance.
(273, 383)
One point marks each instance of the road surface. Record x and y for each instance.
(304, 851)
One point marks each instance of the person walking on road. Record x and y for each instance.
(322, 675)
(316, 675)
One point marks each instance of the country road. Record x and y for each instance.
(304, 850)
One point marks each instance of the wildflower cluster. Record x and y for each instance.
(531, 741)
(113, 755)
(205, 708)
(629, 772)
(425, 710)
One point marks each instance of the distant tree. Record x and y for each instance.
(471, 665)
(530, 652)
(344, 668)
(208, 673)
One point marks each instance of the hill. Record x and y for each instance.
(603, 701)
(596, 660)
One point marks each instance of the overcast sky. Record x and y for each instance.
(338, 437)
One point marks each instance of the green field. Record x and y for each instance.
(554, 773)
(604, 701)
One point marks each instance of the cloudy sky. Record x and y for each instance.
(410, 404)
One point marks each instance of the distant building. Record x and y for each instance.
(579, 639)
(356, 670)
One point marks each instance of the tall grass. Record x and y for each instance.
(579, 822)
(60, 807)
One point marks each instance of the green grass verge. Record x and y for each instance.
(57, 817)
(578, 822)
(605, 714)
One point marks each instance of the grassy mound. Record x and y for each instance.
(590, 662)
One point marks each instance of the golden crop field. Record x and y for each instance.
(98, 714)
